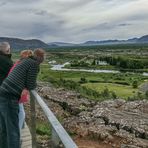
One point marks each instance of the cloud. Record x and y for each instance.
(3, 3)
(124, 24)
(73, 20)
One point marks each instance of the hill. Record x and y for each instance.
(61, 44)
(18, 44)
(141, 40)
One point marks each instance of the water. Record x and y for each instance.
(145, 74)
(60, 67)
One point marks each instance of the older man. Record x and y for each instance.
(5, 60)
(23, 76)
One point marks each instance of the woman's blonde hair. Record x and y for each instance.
(39, 55)
(26, 54)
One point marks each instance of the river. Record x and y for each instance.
(60, 67)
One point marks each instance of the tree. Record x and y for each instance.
(94, 62)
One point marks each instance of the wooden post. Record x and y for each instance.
(33, 121)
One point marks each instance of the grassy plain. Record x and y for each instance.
(122, 91)
(120, 83)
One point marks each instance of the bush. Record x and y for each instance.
(139, 95)
(146, 94)
(135, 84)
(105, 93)
(122, 83)
(114, 95)
(95, 81)
(83, 80)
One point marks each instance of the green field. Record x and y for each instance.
(119, 83)
(121, 91)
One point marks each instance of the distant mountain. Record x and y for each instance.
(18, 44)
(61, 44)
(101, 42)
(132, 40)
(143, 39)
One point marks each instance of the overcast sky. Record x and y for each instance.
(73, 20)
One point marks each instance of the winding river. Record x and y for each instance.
(60, 67)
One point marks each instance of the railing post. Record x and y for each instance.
(33, 121)
(58, 132)
(55, 139)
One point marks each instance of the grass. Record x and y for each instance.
(45, 72)
(120, 83)
(43, 129)
(121, 91)
(99, 81)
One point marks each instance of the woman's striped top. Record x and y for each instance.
(24, 75)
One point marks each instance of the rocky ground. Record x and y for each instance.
(107, 124)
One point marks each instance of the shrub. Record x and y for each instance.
(105, 93)
(146, 94)
(135, 84)
(83, 80)
(114, 95)
(43, 129)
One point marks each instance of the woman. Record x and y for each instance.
(25, 93)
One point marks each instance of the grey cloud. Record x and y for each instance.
(99, 27)
(53, 29)
(38, 12)
(72, 20)
(50, 17)
(124, 24)
(138, 16)
(41, 12)
(18, 1)
(3, 3)
(33, 28)
(71, 5)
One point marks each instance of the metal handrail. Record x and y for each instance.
(58, 132)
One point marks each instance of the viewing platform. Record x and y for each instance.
(26, 137)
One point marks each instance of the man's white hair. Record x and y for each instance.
(4, 47)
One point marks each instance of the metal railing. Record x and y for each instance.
(58, 132)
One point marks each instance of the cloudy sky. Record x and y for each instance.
(73, 20)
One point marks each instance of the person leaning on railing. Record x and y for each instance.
(23, 76)
(25, 93)
(5, 60)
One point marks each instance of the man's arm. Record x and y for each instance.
(5, 65)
